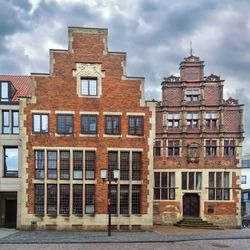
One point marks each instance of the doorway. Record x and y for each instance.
(10, 213)
(191, 205)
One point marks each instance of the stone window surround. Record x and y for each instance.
(57, 181)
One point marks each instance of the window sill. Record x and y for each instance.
(56, 134)
(52, 215)
(64, 215)
(135, 136)
(90, 215)
(89, 135)
(110, 135)
(39, 215)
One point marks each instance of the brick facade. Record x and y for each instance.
(193, 126)
(60, 93)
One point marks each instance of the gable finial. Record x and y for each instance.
(191, 49)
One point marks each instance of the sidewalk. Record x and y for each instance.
(160, 234)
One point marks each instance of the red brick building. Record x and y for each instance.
(197, 162)
(86, 115)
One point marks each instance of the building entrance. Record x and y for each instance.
(191, 204)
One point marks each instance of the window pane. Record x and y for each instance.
(77, 199)
(45, 123)
(195, 116)
(189, 115)
(84, 87)
(164, 179)
(11, 162)
(15, 122)
(69, 124)
(136, 199)
(77, 164)
(214, 115)
(116, 125)
(4, 91)
(208, 115)
(92, 87)
(108, 124)
(218, 180)
(92, 124)
(39, 164)
(112, 163)
(39, 199)
(52, 199)
(191, 180)
(184, 180)
(136, 166)
(196, 92)
(52, 164)
(176, 116)
(64, 199)
(124, 199)
(226, 180)
(90, 165)
(64, 165)
(157, 179)
(36, 123)
(124, 166)
(211, 179)
(170, 116)
(6, 122)
(60, 124)
(171, 179)
(198, 181)
(89, 199)
(139, 125)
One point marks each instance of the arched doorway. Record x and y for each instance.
(191, 205)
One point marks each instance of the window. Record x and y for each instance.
(89, 199)
(10, 162)
(124, 166)
(135, 125)
(192, 120)
(192, 95)
(219, 186)
(229, 147)
(52, 199)
(77, 164)
(136, 199)
(89, 124)
(246, 163)
(15, 122)
(77, 199)
(112, 125)
(173, 148)
(64, 165)
(65, 124)
(211, 148)
(6, 121)
(173, 120)
(211, 120)
(124, 199)
(191, 180)
(244, 197)
(89, 86)
(64, 199)
(6, 125)
(52, 164)
(136, 166)
(5, 91)
(39, 164)
(40, 123)
(112, 163)
(157, 148)
(243, 179)
(39, 199)
(164, 186)
(90, 165)
(113, 199)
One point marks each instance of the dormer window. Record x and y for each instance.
(192, 95)
(5, 91)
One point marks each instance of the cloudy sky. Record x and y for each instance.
(156, 35)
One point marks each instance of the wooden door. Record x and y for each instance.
(191, 204)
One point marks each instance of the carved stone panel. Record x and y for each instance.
(193, 152)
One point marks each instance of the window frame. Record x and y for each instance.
(168, 186)
(40, 194)
(192, 95)
(211, 148)
(13, 126)
(209, 120)
(157, 149)
(33, 123)
(193, 184)
(64, 206)
(173, 120)
(88, 163)
(64, 124)
(8, 173)
(64, 169)
(4, 120)
(88, 79)
(8, 99)
(91, 193)
(52, 199)
(76, 164)
(89, 131)
(229, 149)
(218, 187)
(173, 148)
(112, 129)
(191, 120)
(77, 204)
(243, 177)
(35, 164)
(49, 168)
(134, 119)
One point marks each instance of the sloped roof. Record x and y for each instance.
(20, 83)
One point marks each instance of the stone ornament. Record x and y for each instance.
(193, 152)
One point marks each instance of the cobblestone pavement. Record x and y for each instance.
(189, 245)
(160, 234)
